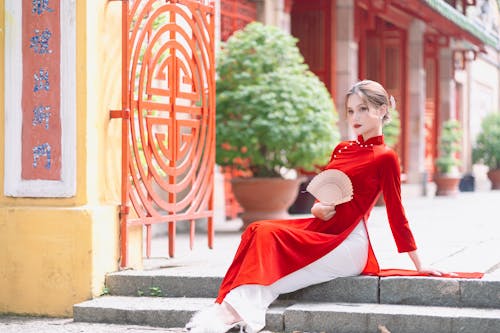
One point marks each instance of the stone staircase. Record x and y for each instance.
(360, 304)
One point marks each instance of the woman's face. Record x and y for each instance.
(364, 118)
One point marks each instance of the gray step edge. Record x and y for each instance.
(158, 311)
(316, 317)
(350, 317)
(432, 291)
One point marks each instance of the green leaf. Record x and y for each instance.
(105, 291)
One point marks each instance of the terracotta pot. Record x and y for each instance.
(446, 185)
(265, 198)
(494, 176)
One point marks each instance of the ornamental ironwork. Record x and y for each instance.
(168, 117)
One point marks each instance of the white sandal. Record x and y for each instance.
(209, 320)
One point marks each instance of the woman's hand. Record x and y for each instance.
(432, 271)
(323, 211)
(426, 270)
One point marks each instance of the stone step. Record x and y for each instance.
(351, 317)
(169, 312)
(302, 316)
(481, 293)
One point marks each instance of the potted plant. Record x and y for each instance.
(273, 117)
(392, 129)
(448, 176)
(487, 148)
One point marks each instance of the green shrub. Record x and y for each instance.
(272, 112)
(487, 147)
(392, 129)
(449, 146)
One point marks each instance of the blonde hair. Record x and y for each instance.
(373, 93)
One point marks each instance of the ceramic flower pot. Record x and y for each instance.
(494, 177)
(265, 198)
(446, 185)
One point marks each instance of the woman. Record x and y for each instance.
(276, 257)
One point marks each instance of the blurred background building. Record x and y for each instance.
(439, 59)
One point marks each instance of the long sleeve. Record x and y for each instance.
(391, 189)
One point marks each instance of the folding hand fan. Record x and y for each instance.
(331, 186)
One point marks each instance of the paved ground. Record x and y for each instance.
(455, 234)
(16, 324)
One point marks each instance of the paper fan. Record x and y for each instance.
(331, 186)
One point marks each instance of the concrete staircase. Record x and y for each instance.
(360, 304)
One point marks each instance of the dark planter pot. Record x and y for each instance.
(494, 176)
(265, 198)
(446, 185)
(305, 200)
(467, 183)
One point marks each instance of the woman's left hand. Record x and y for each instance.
(323, 211)
(426, 270)
(434, 272)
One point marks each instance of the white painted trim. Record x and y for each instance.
(14, 185)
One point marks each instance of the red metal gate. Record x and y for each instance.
(168, 117)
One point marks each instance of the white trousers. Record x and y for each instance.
(251, 301)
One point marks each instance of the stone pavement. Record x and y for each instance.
(459, 233)
(18, 324)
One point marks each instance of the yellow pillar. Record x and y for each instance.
(55, 252)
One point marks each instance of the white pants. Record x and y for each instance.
(251, 301)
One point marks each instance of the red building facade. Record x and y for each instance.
(414, 48)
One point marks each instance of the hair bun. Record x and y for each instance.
(392, 101)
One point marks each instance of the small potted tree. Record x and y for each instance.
(273, 117)
(448, 176)
(487, 148)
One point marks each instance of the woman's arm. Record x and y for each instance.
(389, 172)
(391, 186)
(418, 265)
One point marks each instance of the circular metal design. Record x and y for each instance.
(172, 110)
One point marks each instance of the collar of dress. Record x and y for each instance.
(376, 140)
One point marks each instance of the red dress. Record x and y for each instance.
(283, 246)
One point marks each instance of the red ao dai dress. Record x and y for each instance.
(279, 256)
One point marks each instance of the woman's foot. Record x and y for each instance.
(230, 314)
(213, 319)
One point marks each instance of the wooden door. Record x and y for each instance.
(312, 23)
(382, 54)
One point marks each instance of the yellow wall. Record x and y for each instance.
(54, 252)
(47, 257)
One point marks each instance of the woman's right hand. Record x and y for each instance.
(323, 211)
